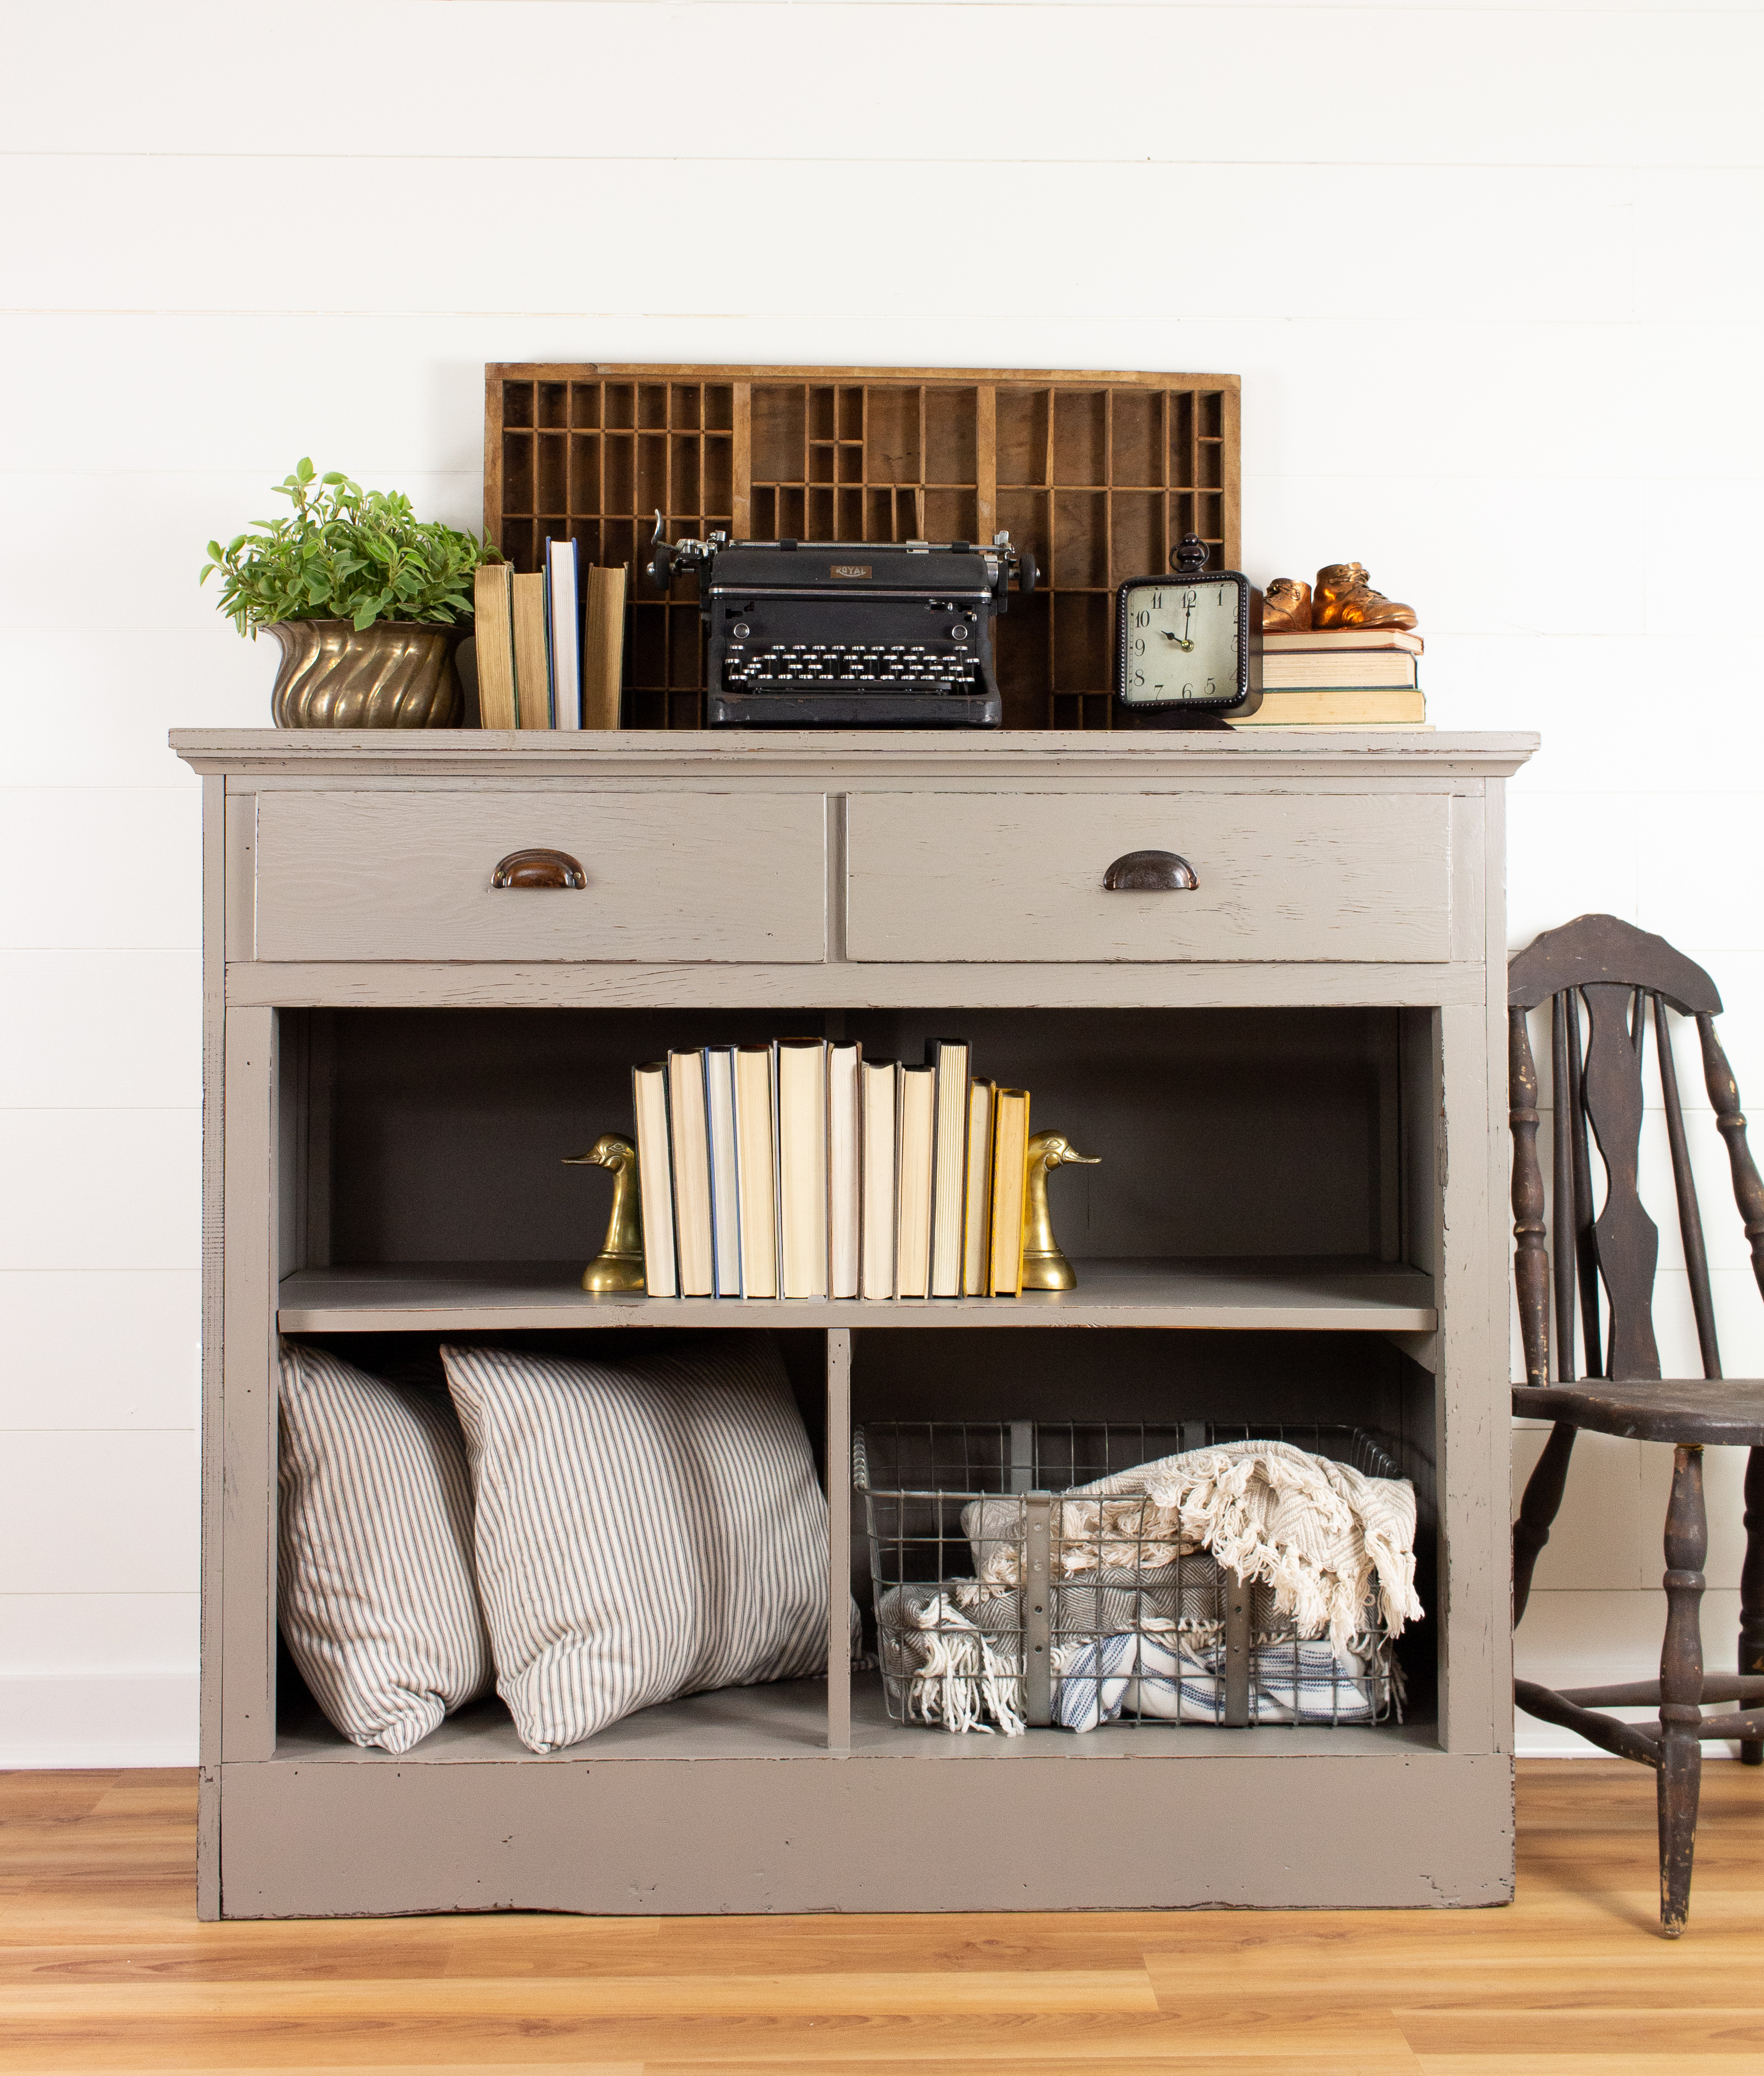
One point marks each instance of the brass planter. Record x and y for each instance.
(396, 674)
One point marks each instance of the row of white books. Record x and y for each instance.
(802, 1169)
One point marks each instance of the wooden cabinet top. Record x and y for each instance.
(1005, 759)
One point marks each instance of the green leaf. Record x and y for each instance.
(345, 552)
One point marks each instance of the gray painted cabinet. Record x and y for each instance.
(1292, 1074)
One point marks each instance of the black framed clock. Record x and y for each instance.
(1188, 646)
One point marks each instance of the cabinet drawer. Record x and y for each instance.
(675, 876)
(1018, 876)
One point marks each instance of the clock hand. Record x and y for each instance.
(1176, 639)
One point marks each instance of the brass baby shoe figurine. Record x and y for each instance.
(619, 1266)
(1286, 607)
(1044, 1267)
(1344, 598)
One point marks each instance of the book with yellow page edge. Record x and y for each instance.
(877, 1082)
(532, 664)
(756, 1170)
(1010, 1181)
(1387, 707)
(1342, 669)
(493, 629)
(690, 1128)
(949, 1057)
(844, 1183)
(655, 1178)
(977, 1222)
(801, 1070)
(725, 1187)
(603, 650)
(1329, 641)
(915, 1141)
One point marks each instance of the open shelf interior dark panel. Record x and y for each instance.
(1099, 474)
(423, 1136)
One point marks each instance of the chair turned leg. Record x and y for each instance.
(1752, 1591)
(1537, 1510)
(1681, 1686)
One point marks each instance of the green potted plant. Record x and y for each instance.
(366, 601)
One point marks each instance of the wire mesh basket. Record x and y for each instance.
(999, 1604)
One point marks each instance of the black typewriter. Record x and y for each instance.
(848, 634)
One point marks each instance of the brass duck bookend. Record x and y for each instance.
(619, 1266)
(1045, 1266)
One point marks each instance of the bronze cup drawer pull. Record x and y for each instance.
(539, 868)
(1151, 872)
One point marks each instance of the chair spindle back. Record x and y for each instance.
(1615, 971)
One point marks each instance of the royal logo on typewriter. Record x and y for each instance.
(851, 570)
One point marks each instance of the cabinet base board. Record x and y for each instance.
(1416, 1829)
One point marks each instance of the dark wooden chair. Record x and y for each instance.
(1615, 971)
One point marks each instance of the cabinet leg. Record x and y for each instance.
(1681, 1686)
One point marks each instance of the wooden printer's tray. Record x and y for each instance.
(1099, 475)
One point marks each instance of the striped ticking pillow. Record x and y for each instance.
(374, 1585)
(647, 1527)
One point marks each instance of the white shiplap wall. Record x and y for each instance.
(1489, 274)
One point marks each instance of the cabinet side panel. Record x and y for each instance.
(214, 901)
(1498, 1168)
(247, 1506)
(1476, 1698)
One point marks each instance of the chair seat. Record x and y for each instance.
(1725, 1412)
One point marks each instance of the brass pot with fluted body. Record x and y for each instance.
(395, 674)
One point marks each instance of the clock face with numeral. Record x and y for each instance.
(1182, 641)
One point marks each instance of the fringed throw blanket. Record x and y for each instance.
(1316, 1540)
(1181, 1678)
(952, 1656)
(1318, 1532)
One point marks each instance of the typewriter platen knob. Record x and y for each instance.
(1026, 572)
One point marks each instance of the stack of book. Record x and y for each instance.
(549, 657)
(802, 1169)
(1346, 677)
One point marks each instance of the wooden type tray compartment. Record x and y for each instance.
(1098, 473)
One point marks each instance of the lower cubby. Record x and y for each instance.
(1174, 1387)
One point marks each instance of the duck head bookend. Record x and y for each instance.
(619, 1266)
(1044, 1265)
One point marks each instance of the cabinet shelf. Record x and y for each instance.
(788, 1721)
(1268, 1293)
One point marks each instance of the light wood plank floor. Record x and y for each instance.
(103, 1967)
